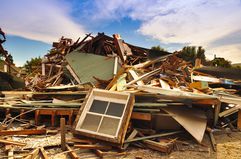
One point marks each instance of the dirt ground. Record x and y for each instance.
(228, 147)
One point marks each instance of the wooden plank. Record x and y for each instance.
(144, 76)
(159, 146)
(43, 153)
(10, 153)
(80, 141)
(33, 154)
(71, 153)
(153, 136)
(99, 147)
(114, 80)
(120, 47)
(121, 82)
(239, 120)
(23, 132)
(141, 116)
(132, 135)
(135, 76)
(11, 142)
(63, 131)
(229, 111)
(164, 84)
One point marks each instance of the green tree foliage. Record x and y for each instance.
(31, 65)
(201, 53)
(190, 53)
(156, 51)
(221, 62)
(10, 58)
(157, 48)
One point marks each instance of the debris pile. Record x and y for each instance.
(120, 96)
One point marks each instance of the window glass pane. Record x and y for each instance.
(109, 126)
(91, 122)
(98, 106)
(115, 109)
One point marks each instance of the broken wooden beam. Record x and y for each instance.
(159, 146)
(141, 116)
(23, 132)
(100, 147)
(11, 142)
(43, 153)
(63, 131)
(153, 136)
(71, 152)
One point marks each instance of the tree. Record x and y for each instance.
(221, 62)
(157, 51)
(188, 53)
(32, 64)
(201, 53)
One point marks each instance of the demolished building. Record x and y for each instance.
(119, 94)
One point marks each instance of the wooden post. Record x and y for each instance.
(239, 120)
(62, 130)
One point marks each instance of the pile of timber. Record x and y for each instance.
(120, 95)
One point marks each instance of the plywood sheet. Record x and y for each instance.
(86, 66)
(193, 120)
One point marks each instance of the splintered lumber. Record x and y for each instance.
(135, 76)
(212, 139)
(132, 135)
(9, 149)
(11, 142)
(153, 136)
(23, 132)
(229, 111)
(43, 153)
(101, 154)
(159, 146)
(144, 76)
(71, 152)
(80, 141)
(63, 131)
(100, 147)
(141, 116)
(33, 154)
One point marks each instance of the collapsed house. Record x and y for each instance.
(114, 94)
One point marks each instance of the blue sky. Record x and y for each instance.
(32, 26)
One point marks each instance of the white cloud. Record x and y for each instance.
(199, 22)
(42, 20)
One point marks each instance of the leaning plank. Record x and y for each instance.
(229, 111)
(23, 132)
(71, 153)
(144, 76)
(43, 153)
(152, 136)
(239, 120)
(135, 76)
(132, 135)
(11, 142)
(33, 154)
(99, 147)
